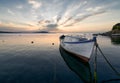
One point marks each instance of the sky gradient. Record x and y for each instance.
(59, 15)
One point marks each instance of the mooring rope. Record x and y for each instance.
(95, 65)
(111, 80)
(118, 73)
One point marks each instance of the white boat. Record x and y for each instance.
(80, 47)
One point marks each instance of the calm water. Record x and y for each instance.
(32, 58)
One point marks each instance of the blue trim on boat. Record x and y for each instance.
(86, 41)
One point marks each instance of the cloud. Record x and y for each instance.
(44, 22)
(19, 7)
(71, 12)
(91, 9)
(25, 24)
(51, 27)
(99, 12)
(88, 15)
(82, 18)
(6, 28)
(85, 2)
(68, 19)
(10, 12)
(63, 16)
(17, 26)
(48, 25)
(56, 18)
(68, 25)
(35, 4)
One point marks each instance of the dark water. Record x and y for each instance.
(36, 58)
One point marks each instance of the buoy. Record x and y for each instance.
(3, 41)
(52, 43)
(32, 42)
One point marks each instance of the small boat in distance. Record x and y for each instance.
(79, 46)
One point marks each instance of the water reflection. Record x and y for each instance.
(81, 68)
(115, 39)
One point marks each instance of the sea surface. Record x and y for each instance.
(37, 58)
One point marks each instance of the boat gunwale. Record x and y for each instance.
(85, 41)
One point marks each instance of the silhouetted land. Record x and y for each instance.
(114, 32)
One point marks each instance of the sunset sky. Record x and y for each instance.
(59, 15)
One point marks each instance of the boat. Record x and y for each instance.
(80, 68)
(116, 34)
(80, 47)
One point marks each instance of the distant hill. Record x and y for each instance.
(115, 30)
(41, 32)
(8, 32)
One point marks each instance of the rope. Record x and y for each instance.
(95, 66)
(111, 80)
(118, 73)
(95, 63)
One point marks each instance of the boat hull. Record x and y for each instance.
(81, 57)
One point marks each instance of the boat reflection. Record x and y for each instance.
(115, 39)
(81, 68)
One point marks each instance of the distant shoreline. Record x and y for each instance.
(1, 32)
(109, 33)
